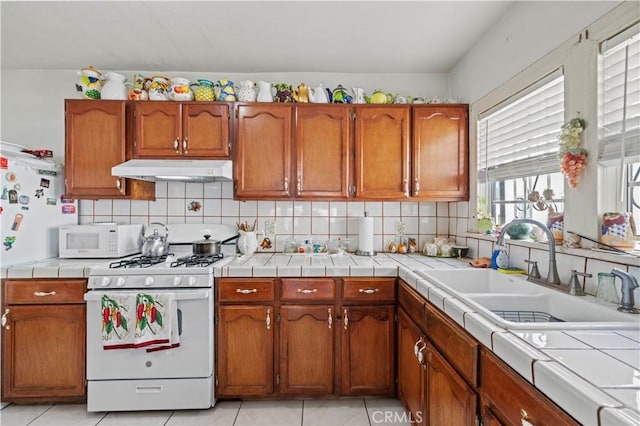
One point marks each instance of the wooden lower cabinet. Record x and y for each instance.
(245, 350)
(307, 349)
(507, 398)
(368, 350)
(43, 340)
(411, 373)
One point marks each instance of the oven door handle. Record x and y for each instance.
(94, 296)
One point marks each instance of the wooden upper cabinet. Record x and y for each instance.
(382, 152)
(95, 141)
(264, 151)
(440, 153)
(322, 151)
(170, 129)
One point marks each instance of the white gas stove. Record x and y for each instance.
(150, 332)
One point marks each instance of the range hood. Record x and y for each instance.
(181, 170)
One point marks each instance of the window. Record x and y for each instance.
(619, 122)
(517, 153)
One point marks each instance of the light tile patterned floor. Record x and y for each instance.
(298, 412)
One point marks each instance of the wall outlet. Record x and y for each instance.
(270, 228)
(400, 229)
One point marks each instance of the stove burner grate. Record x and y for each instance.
(139, 262)
(197, 260)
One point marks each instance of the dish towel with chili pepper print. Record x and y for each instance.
(118, 312)
(156, 322)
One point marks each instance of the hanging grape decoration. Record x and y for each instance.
(573, 158)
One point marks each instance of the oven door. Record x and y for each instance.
(192, 359)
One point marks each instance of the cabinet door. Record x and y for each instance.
(205, 130)
(322, 144)
(449, 398)
(44, 353)
(263, 158)
(382, 152)
(440, 153)
(411, 373)
(245, 350)
(157, 129)
(95, 142)
(368, 349)
(307, 350)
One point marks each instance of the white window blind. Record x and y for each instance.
(518, 137)
(620, 96)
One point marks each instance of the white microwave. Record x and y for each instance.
(100, 240)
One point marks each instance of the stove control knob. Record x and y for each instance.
(120, 281)
(177, 281)
(105, 281)
(192, 281)
(148, 281)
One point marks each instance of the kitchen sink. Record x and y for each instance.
(512, 302)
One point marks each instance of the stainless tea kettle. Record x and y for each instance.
(156, 245)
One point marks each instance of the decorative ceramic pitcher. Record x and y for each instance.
(205, 91)
(248, 241)
(246, 92)
(318, 95)
(226, 91)
(89, 82)
(115, 87)
(180, 90)
(264, 92)
(159, 88)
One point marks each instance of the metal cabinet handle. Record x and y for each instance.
(346, 318)
(5, 320)
(418, 346)
(524, 418)
(307, 290)
(246, 290)
(421, 356)
(368, 290)
(416, 186)
(299, 185)
(176, 143)
(330, 319)
(286, 184)
(268, 319)
(406, 187)
(184, 145)
(119, 185)
(43, 294)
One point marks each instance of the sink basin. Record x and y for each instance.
(512, 302)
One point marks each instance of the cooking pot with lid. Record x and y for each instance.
(209, 246)
(155, 244)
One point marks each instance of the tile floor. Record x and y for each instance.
(308, 412)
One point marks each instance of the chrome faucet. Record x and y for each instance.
(552, 274)
(629, 283)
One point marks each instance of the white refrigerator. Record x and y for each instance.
(32, 206)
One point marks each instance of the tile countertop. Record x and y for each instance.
(593, 375)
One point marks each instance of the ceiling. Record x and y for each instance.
(245, 36)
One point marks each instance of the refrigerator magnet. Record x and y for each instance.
(5, 193)
(52, 201)
(65, 200)
(8, 242)
(4, 163)
(68, 209)
(23, 199)
(10, 177)
(13, 196)
(17, 221)
(44, 183)
(39, 192)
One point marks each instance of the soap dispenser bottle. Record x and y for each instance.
(500, 258)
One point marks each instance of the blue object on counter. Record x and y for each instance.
(500, 258)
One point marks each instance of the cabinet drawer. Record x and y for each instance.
(412, 302)
(512, 399)
(44, 291)
(454, 343)
(245, 290)
(382, 289)
(308, 289)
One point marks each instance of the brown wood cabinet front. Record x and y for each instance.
(307, 349)
(262, 165)
(43, 341)
(510, 399)
(411, 373)
(183, 129)
(368, 350)
(95, 141)
(245, 340)
(322, 151)
(440, 153)
(382, 152)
